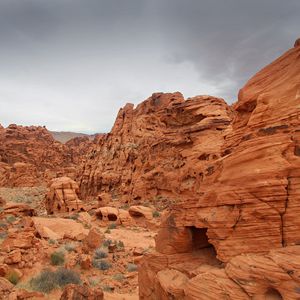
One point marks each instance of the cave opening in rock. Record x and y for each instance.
(136, 214)
(99, 215)
(112, 217)
(200, 238)
(273, 294)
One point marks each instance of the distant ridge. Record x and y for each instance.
(65, 136)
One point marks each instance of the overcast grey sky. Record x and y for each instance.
(71, 64)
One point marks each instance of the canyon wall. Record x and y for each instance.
(159, 151)
(238, 237)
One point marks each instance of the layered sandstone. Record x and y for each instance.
(248, 203)
(63, 196)
(159, 150)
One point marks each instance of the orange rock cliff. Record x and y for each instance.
(238, 237)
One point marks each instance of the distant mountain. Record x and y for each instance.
(64, 136)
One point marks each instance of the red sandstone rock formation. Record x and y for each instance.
(246, 205)
(162, 148)
(63, 196)
(30, 156)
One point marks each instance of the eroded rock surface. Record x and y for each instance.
(63, 196)
(159, 150)
(248, 202)
(30, 156)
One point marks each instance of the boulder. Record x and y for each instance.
(63, 196)
(77, 292)
(59, 228)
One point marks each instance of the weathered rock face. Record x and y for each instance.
(63, 196)
(30, 156)
(159, 149)
(249, 202)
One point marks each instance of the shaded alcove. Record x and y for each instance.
(112, 217)
(200, 241)
(273, 294)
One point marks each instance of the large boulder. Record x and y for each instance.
(78, 292)
(63, 196)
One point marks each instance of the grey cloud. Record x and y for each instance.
(70, 64)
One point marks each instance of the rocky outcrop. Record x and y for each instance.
(30, 156)
(63, 196)
(73, 291)
(160, 150)
(246, 207)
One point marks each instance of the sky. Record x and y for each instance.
(71, 64)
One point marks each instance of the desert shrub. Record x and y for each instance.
(74, 216)
(156, 214)
(107, 231)
(94, 282)
(120, 245)
(3, 225)
(101, 264)
(70, 247)
(52, 242)
(112, 226)
(57, 258)
(13, 277)
(3, 235)
(106, 243)
(100, 253)
(11, 219)
(48, 280)
(65, 276)
(132, 267)
(107, 288)
(119, 277)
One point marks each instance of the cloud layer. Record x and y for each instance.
(71, 64)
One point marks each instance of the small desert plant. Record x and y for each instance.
(100, 253)
(11, 219)
(107, 288)
(52, 242)
(107, 231)
(13, 277)
(119, 277)
(74, 217)
(101, 264)
(57, 258)
(120, 245)
(70, 247)
(94, 282)
(106, 243)
(65, 276)
(156, 214)
(49, 280)
(112, 226)
(3, 235)
(132, 267)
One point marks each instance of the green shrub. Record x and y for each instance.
(11, 219)
(57, 258)
(120, 245)
(66, 276)
(107, 288)
(112, 226)
(70, 247)
(100, 253)
(101, 264)
(106, 243)
(132, 267)
(119, 277)
(13, 277)
(48, 280)
(156, 214)
(52, 242)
